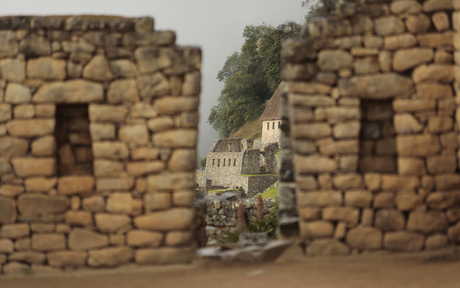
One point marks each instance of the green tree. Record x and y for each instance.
(203, 162)
(250, 76)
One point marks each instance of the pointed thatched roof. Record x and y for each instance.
(272, 111)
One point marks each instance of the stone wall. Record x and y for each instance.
(98, 131)
(373, 118)
(271, 131)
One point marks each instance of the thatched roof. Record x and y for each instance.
(272, 111)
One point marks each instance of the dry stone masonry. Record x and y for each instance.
(98, 132)
(372, 97)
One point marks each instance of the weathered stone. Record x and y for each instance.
(358, 199)
(94, 204)
(17, 93)
(435, 5)
(111, 223)
(44, 146)
(316, 229)
(120, 203)
(121, 183)
(311, 131)
(333, 60)
(385, 58)
(419, 23)
(145, 154)
(143, 238)
(371, 41)
(79, 218)
(341, 114)
(389, 220)
(107, 168)
(143, 168)
(110, 257)
(15, 268)
(151, 59)
(381, 86)
(441, 21)
(347, 215)
(70, 185)
(405, 6)
(314, 164)
(12, 147)
(427, 222)
(13, 70)
(434, 73)
(123, 68)
(165, 255)
(122, 91)
(28, 257)
(71, 91)
(174, 105)
(32, 205)
(157, 201)
(413, 105)
(348, 163)
(107, 113)
(25, 167)
(389, 25)
(395, 182)
(406, 124)
(441, 164)
(11, 191)
(364, 238)
(30, 128)
(177, 238)
(34, 45)
(440, 124)
(408, 58)
(172, 219)
(66, 259)
(302, 100)
(9, 44)
(98, 69)
(405, 241)
(454, 233)
(46, 68)
(14, 231)
(48, 242)
(137, 134)
(143, 110)
(434, 40)
(110, 150)
(24, 111)
(436, 241)
(447, 181)
(151, 86)
(349, 180)
(411, 166)
(327, 247)
(433, 91)
(400, 41)
(319, 199)
(101, 131)
(45, 110)
(417, 145)
(81, 239)
(443, 57)
(384, 200)
(175, 139)
(367, 65)
(5, 113)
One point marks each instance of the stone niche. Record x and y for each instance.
(98, 132)
(373, 121)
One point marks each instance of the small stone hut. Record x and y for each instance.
(98, 132)
(373, 115)
(271, 120)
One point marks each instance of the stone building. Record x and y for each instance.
(98, 130)
(371, 155)
(271, 120)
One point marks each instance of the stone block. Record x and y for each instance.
(17, 93)
(453, 233)
(327, 247)
(42, 227)
(34, 205)
(434, 73)
(179, 138)
(360, 199)
(434, 40)
(366, 65)
(182, 160)
(13, 147)
(411, 166)
(427, 222)
(314, 164)
(145, 153)
(333, 60)
(440, 124)
(347, 215)
(122, 183)
(447, 181)
(110, 150)
(341, 114)
(407, 124)
(122, 91)
(171, 181)
(400, 41)
(183, 198)
(123, 68)
(441, 200)
(145, 168)
(172, 219)
(63, 259)
(389, 25)
(417, 145)
(389, 220)
(98, 69)
(316, 229)
(110, 257)
(319, 199)
(6, 246)
(48, 242)
(11, 191)
(107, 113)
(433, 5)
(102, 131)
(13, 70)
(151, 86)
(31, 127)
(441, 21)
(104, 168)
(71, 185)
(174, 105)
(82, 239)
(151, 59)
(434, 91)
(348, 180)
(403, 241)
(309, 101)
(28, 257)
(15, 268)
(408, 202)
(405, 59)
(9, 46)
(46, 68)
(14, 231)
(79, 218)
(364, 238)
(119, 203)
(136, 134)
(143, 238)
(160, 124)
(436, 241)
(5, 112)
(24, 111)
(373, 181)
(143, 110)
(165, 255)
(413, 105)
(329, 147)
(347, 130)
(71, 91)
(441, 164)
(44, 146)
(178, 238)
(112, 223)
(157, 201)
(93, 204)
(379, 86)
(348, 163)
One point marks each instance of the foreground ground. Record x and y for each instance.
(375, 270)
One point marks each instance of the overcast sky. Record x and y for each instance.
(214, 25)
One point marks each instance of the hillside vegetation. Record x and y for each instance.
(251, 130)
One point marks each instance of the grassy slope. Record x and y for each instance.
(250, 130)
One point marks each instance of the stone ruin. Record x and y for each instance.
(98, 132)
(371, 157)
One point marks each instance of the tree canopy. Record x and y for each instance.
(250, 76)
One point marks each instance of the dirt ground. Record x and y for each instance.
(372, 270)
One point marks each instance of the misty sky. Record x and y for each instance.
(214, 25)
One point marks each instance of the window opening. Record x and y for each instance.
(279, 124)
(213, 160)
(268, 125)
(223, 164)
(218, 162)
(273, 126)
(234, 162)
(229, 161)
